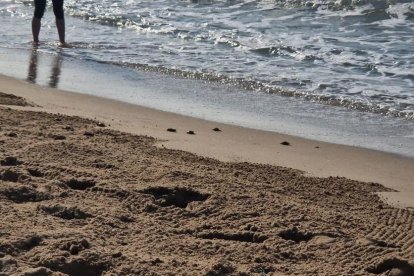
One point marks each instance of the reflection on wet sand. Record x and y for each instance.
(55, 68)
(32, 74)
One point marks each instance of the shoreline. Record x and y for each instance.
(211, 101)
(233, 143)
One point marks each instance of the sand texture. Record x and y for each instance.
(232, 144)
(77, 198)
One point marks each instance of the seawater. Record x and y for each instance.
(343, 55)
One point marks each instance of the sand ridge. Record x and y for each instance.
(77, 198)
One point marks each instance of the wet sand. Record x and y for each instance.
(103, 197)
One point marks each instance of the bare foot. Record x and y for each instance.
(65, 45)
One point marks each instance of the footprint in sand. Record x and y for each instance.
(64, 212)
(295, 235)
(82, 184)
(10, 161)
(23, 244)
(13, 175)
(240, 237)
(393, 266)
(35, 172)
(178, 197)
(21, 194)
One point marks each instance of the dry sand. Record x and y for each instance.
(80, 198)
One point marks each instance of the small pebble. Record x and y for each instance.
(101, 125)
(285, 143)
(191, 132)
(125, 218)
(85, 243)
(59, 137)
(74, 249)
(88, 133)
(171, 130)
(253, 228)
(156, 261)
(68, 128)
(216, 129)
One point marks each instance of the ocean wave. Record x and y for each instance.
(406, 110)
(340, 4)
(275, 51)
(153, 20)
(331, 53)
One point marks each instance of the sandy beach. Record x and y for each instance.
(90, 186)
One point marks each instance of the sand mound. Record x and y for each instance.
(8, 99)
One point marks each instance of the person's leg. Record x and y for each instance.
(35, 29)
(60, 19)
(60, 24)
(40, 6)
